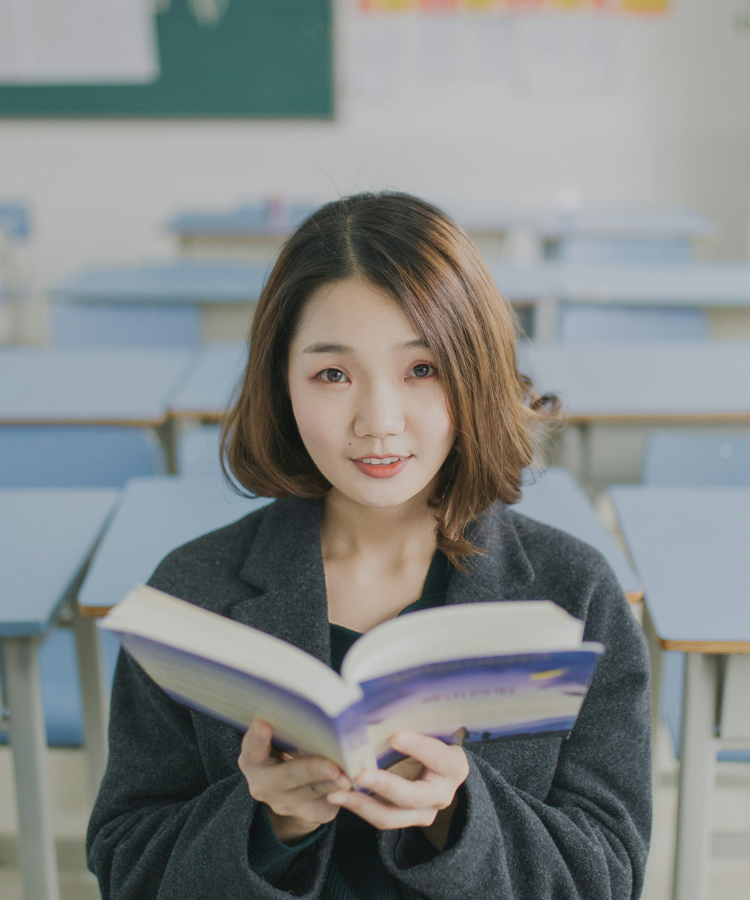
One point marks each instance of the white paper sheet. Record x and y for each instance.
(77, 42)
(561, 56)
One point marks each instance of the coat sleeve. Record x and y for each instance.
(588, 838)
(160, 829)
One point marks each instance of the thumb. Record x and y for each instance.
(256, 744)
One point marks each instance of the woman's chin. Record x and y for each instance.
(381, 494)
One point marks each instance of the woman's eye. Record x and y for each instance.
(334, 376)
(423, 370)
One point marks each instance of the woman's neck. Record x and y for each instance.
(394, 535)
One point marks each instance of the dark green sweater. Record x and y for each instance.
(357, 870)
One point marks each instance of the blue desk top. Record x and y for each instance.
(119, 386)
(689, 284)
(14, 220)
(186, 281)
(154, 516)
(637, 222)
(641, 222)
(46, 537)
(191, 281)
(214, 374)
(557, 499)
(691, 548)
(251, 220)
(699, 380)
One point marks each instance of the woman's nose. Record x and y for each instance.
(379, 414)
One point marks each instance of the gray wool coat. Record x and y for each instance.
(547, 818)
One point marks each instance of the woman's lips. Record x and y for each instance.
(381, 471)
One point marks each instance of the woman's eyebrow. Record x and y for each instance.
(417, 344)
(322, 347)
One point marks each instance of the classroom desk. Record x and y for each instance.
(256, 229)
(723, 288)
(557, 499)
(690, 547)
(208, 386)
(87, 386)
(225, 290)
(699, 383)
(156, 515)
(628, 383)
(252, 231)
(46, 538)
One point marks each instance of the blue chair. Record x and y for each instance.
(692, 458)
(697, 458)
(76, 456)
(198, 452)
(87, 324)
(72, 456)
(622, 250)
(632, 323)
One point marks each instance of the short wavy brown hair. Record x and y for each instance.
(422, 259)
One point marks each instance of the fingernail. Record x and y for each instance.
(366, 779)
(337, 798)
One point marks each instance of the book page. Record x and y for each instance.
(460, 631)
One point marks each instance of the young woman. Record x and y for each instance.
(382, 405)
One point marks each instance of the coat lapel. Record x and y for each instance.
(285, 565)
(503, 573)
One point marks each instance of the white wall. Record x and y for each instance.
(675, 129)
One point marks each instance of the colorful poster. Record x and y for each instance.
(625, 7)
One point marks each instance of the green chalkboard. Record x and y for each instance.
(264, 58)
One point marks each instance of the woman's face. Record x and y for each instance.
(367, 396)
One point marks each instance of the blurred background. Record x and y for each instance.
(154, 154)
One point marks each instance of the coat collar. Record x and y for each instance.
(285, 565)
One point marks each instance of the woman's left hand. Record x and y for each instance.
(408, 803)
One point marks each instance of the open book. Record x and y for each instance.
(461, 673)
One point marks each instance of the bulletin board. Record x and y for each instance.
(264, 58)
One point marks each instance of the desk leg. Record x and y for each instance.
(655, 657)
(576, 453)
(95, 700)
(697, 764)
(546, 315)
(29, 745)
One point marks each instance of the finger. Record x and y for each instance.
(290, 775)
(292, 802)
(445, 759)
(256, 744)
(379, 814)
(408, 768)
(434, 791)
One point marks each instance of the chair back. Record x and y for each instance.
(76, 455)
(695, 458)
(124, 325)
(198, 451)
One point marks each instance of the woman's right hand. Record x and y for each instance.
(293, 790)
